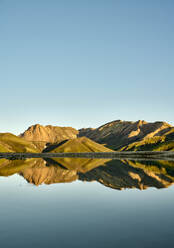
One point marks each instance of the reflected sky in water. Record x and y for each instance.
(87, 212)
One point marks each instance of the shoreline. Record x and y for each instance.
(164, 155)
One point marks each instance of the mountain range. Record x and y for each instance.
(116, 135)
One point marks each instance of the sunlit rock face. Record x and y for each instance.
(118, 134)
(52, 134)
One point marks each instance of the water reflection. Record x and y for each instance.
(116, 174)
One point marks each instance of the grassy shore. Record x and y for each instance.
(167, 155)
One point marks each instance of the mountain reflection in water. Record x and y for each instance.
(116, 174)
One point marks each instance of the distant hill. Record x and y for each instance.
(120, 134)
(12, 143)
(82, 144)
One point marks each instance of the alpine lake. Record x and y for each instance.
(86, 202)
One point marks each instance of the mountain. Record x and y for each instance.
(118, 134)
(82, 144)
(40, 135)
(12, 143)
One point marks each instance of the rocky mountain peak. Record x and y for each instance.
(49, 134)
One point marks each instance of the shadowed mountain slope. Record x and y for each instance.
(118, 134)
(12, 143)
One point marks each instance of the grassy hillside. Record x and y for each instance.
(12, 143)
(157, 143)
(4, 148)
(82, 144)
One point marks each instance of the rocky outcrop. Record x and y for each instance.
(117, 134)
(40, 135)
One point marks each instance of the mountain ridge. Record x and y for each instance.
(117, 135)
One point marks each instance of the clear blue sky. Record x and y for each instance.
(83, 63)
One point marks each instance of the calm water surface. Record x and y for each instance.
(86, 203)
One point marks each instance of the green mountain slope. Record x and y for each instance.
(82, 144)
(158, 143)
(12, 143)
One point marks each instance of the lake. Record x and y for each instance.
(77, 202)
